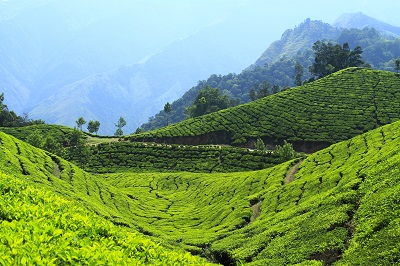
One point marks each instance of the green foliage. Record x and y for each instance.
(259, 145)
(41, 228)
(340, 205)
(209, 100)
(286, 152)
(397, 65)
(80, 122)
(330, 58)
(120, 124)
(167, 110)
(11, 119)
(338, 107)
(93, 126)
(148, 157)
(299, 72)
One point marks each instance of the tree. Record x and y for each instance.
(120, 124)
(259, 145)
(299, 72)
(93, 126)
(35, 139)
(167, 110)
(330, 58)
(80, 122)
(252, 94)
(209, 100)
(397, 65)
(286, 151)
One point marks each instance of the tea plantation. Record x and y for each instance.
(340, 205)
(150, 157)
(335, 108)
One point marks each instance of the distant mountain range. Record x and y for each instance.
(102, 60)
(58, 63)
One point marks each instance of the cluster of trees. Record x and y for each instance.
(11, 119)
(209, 100)
(285, 152)
(331, 57)
(94, 126)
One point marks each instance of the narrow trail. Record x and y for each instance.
(292, 172)
(256, 211)
(56, 169)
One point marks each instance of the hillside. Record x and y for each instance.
(338, 107)
(340, 205)
(276, 65)
(75, 230)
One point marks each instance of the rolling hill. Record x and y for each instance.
(340, 205)
(337, 107)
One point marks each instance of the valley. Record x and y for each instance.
(337, 206)
(295, 160)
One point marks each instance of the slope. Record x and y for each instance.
(341, 206)
(74, 232)
(39, 227)
(335, 108)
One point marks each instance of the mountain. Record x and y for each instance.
(360, 21)
(337, 107)
(296, 40)
(137, 91)
(276, 66)
(50, 50)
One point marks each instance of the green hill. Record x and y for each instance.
(339, 205)
(338, 107)
(40, 227)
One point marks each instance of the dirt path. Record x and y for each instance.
(256, 211)
(56, 169)
(292, 172)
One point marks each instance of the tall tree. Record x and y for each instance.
(330, 58)
(93, 126)
(120, 124)
(298, 74)
(397, 65)
(167, 110)
(80, 122)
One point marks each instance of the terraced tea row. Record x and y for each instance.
(40, 228)
(329, 110)
(340, 204)
(150, 157)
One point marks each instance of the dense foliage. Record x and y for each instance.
(209, 100)
(11, 119)
(338, 107)
(330, 58)
(150, 157)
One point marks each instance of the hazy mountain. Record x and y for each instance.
(297, 40)
(53, 53)
(137, 91)
(360, 20)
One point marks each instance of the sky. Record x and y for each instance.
(279, 15)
